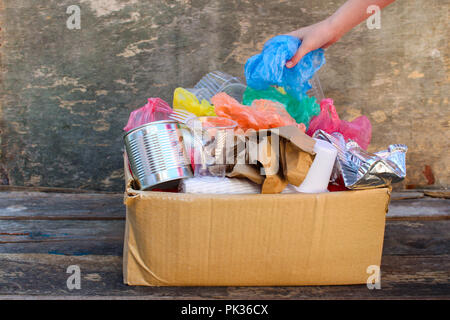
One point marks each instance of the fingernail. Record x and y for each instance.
(289, 64)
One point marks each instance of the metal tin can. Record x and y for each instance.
(156, 154)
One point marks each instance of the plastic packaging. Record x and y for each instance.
(275, 114)
(156, 109)
(218, 81)
(182, 116)
(235, 90)
(302, 111)
(358, 130)
(216, 185)
(183, 99)
(201, 93)
(262, 114)
(268, 68)
(316, 89)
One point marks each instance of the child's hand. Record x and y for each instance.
(330, 30)
(319, 35)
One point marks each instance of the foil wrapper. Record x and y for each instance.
(359, 169)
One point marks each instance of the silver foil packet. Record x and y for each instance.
(359, 169)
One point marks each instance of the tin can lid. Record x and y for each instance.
(148, 125)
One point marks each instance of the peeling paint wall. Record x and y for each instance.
(66, 94)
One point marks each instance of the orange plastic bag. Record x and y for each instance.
(262, 114)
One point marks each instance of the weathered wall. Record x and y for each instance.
(66, 94)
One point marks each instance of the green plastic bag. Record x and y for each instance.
(302, 111)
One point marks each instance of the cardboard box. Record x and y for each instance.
(176, 239)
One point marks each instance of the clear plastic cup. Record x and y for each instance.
(201, 93)
(212, 137)
(235, 90)
(214, 82)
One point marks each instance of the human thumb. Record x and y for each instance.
(301, 52)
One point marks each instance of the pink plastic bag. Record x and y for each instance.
(156, 109)
(359, 130)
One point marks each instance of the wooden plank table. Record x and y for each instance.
(42, 233)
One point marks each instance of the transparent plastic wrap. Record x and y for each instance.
(356, 168)
(156, 109)
(262, 114)
(316, 90)
(217, 81)
(359, 130)
(269, 67)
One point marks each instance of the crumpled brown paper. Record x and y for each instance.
(278, 167)
(248, 171)
(275, 181)
(296, 163)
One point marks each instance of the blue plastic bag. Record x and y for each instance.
(269, 67)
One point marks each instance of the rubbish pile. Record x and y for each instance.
(275, 134)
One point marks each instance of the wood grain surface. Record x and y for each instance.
(41, 234)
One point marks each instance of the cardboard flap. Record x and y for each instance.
(293, 134)
(297, 137)
(130, 192)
